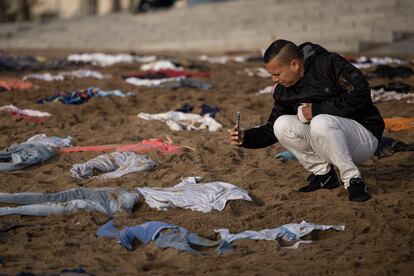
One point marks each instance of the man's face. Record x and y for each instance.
(286, 74)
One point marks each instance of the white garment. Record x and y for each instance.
(82, 73)
(191, 194)
(267, 90)
(364, 62)
(25, 112)
(51, 142)
(257, 72)
(100, 59)
(382, 96)
(327, 140)
(115, 164)
(160, 65)
(177, 120)
(45, 77)
(149, 82)
(300, 114)
(286, 232)
(223, 59)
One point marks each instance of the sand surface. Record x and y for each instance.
(379, 235)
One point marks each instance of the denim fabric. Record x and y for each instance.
(292, 232)
(164, 234)
(104, 200)
(115, 164)
(20, 156)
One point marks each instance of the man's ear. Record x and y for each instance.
(294, 65)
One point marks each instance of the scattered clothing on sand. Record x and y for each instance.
(37, 149)
(15, 84)
(267, 90)
(390, 72)
(165, 74)
(29, 114)
(158, 145)
(388, 146)
(82, 73)
(171, 83)
(165, 235)
(382, 95)
(364, 62)
(176, 120)
(291, 233)
(81, 96)
(104, 200)
(115, 164)
(104, 60)
(392, 91)
(190, 193)
(32, 63)
(257, 72)
(399, 124)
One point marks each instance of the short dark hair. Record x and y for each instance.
(284, 50)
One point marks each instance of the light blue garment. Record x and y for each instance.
(36, 149)
(292, 232)
(114, 164)
(20, 156)
(104, 200)
(285, 156)
(164, 234)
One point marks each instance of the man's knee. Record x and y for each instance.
(322, 124)
(287, 126)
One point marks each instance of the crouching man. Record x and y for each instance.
(322, 113)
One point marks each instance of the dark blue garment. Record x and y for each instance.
(164, 234)
(186, 108)
(71, 97)
(78, 270)
(186, 83)
(388, 146)
(20, 63)
(207, 109)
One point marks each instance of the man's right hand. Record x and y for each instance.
(236, 138)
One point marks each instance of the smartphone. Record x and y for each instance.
(238, 122)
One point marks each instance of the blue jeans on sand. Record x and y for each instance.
(20, 156)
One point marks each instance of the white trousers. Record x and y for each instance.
(327, 140)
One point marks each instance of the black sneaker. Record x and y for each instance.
(357, 190)
(326, 181)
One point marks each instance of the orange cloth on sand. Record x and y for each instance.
(399, 124)
(157, 145)
(15, 84)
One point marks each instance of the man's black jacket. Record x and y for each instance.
(333, 86)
